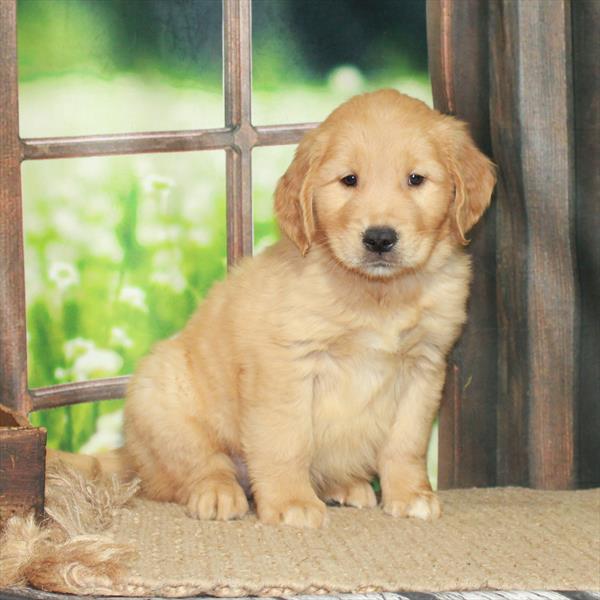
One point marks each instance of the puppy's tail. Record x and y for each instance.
(105, 464)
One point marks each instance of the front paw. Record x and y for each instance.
(421, 504)
(221, 499)
(294, 512)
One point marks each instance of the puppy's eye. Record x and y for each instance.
(350, 180)
(414, 179)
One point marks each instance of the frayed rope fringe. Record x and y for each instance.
(70, 548)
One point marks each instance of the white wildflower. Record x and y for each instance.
(119, 338)
(346, 80)
(96, 363)
(172, 278)
(76, 347)
(134, 296)
(108, 435)
(63, 275)
(88, 361)
(61, 374)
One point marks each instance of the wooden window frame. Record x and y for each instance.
(238, 138)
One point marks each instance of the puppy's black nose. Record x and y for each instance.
(379, 239)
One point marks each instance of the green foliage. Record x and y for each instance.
(294, 40)
(60, 36)
(111, 266)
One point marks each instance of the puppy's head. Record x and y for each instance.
(381, 182)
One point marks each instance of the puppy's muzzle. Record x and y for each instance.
(379, 239)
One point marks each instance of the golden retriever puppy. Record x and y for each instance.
(320, 363)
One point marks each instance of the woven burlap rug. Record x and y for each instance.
(494, 538)
(502, 538)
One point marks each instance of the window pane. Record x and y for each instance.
(118, 253)
(89, 66)
(312, 55)
(268, 165)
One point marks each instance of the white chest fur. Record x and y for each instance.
(355, 392)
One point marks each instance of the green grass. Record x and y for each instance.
(120, 250)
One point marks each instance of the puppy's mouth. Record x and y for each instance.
(379, 266)
(376, 265)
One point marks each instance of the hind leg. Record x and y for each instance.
(173, 441)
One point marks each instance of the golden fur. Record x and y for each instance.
(319, 364)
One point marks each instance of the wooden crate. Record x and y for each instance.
(22, 466)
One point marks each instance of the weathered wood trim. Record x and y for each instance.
(12, 418)
(77, 392)
(458, 50)
(237, 60)
(13, 346)
(586, 86)
(533, 143)
(549, 180)
(161, 141)
(512, 240)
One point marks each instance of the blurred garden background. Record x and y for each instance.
(119, 250)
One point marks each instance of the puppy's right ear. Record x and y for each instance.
(294, 194)
(473, 173)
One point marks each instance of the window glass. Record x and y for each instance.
(90, 66)
(268, 165)
(312, 55)
(118, 253)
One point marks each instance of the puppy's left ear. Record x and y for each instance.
(474, 177)
(294, 194)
